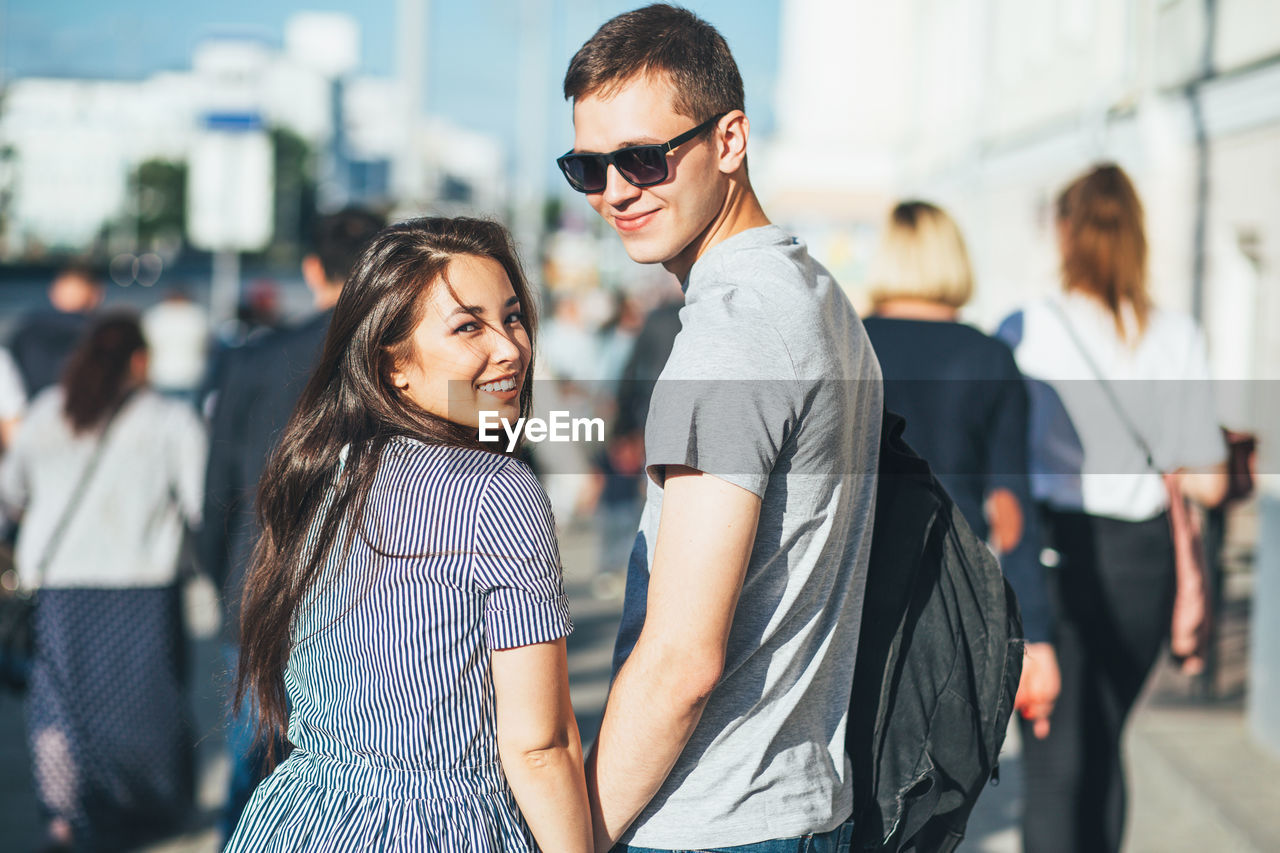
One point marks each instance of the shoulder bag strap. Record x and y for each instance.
(77, 494)
(1106, 385)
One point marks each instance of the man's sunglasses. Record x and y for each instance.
(640, 165)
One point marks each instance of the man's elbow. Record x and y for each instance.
(688, 677)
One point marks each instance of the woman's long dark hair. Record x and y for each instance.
(1105, 244)
(99, 372)
(350, 402)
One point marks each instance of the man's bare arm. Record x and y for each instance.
(700, 559)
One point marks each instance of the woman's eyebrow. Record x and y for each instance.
(478, 309)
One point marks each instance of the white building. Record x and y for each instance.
(74, 143)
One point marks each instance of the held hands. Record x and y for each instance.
(1039, 688)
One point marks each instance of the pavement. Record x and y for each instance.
(1198, 782)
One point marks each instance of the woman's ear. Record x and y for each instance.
(399, 379)
(396, 370)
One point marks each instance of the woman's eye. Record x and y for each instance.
(467, 327)
(515, 317)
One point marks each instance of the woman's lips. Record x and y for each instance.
(634, 222)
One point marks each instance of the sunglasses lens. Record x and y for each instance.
(585, 172)
(642, 166)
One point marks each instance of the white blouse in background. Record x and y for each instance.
(13, 396)
(1163, 384)
(128, 527)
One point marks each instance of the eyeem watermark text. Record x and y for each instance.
(561, 427)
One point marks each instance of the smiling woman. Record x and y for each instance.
(405, 597)
(471, 349)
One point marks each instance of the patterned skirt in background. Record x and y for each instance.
(106, 714)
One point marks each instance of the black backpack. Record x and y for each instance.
(938, 663)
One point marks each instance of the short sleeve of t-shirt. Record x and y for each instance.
(516, 562)
(727, 400)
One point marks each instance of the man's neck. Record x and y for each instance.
(741, 212)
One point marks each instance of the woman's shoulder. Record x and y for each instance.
(46, 404)
(464, 472)
(156, 409)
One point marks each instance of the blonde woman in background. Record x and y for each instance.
(1117, 377)
(966, 409)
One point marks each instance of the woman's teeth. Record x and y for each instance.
(500, 385)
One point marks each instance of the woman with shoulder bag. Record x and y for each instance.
(1122, 419)
(105, 474)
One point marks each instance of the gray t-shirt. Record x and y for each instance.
(772, 385)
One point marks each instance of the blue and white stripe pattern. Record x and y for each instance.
(389, 678)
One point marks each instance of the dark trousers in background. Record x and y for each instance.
(1113, 598)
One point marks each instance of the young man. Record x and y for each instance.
(726, 717)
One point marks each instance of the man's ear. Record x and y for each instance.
(731, 139)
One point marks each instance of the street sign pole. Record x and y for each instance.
(230, 200)
(224, 292)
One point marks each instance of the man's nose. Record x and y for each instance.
(617, 189)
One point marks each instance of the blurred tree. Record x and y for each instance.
(552, 211)
(159, 190)
(8, 158)
(295, 197)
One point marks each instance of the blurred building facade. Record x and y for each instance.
(990, 106)
(69, 147)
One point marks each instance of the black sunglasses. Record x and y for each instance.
(640, 165)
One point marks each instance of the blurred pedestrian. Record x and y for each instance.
(406, 596)
(44, 339)
(1129, 392)
(177, 331)
(13, 399)
(259, 388)
(965, 404)
(647, 358)
(106, 474)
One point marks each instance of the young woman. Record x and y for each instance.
(405, 616)
(1113, 378)
(104, 474)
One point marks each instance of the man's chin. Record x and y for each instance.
(644, 250)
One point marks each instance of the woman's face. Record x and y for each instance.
(471, 350)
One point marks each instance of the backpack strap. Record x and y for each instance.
(1106, 384)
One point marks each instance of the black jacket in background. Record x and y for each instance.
(966, 409)
(255, 399)
(41, 344)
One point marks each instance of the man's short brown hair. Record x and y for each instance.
(660, 39)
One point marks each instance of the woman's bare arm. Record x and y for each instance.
(539, 744)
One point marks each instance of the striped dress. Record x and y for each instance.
(392, 696)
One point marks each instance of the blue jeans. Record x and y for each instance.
(835, 841)
(248, 756)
